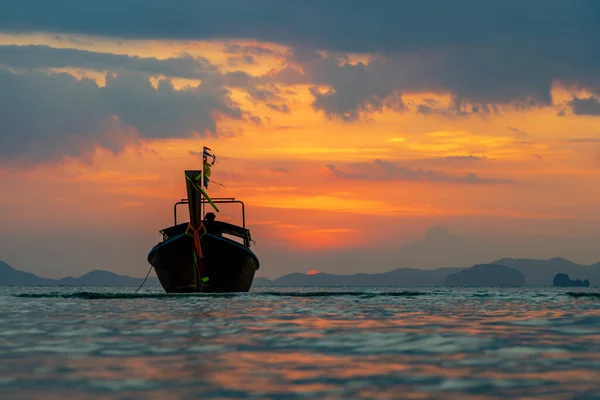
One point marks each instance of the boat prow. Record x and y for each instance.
(229, 266)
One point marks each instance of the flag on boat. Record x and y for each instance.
(206, 154)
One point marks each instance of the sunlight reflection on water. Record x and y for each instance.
(291, 343)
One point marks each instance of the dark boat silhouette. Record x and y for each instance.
(197, 256)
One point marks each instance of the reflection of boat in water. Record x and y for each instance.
(204, 255)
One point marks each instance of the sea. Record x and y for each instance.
(300, 343)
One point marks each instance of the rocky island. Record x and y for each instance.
(563, 280)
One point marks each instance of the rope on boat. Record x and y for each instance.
(148, 274)
(144, 281)
(197, 252)
(217, 183)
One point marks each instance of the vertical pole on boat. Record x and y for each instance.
(196, 228)
(202, 180)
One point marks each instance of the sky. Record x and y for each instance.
(362, 136)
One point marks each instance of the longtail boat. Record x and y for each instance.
(204, 254)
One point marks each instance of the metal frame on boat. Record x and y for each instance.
(220, 226)
(216, 200)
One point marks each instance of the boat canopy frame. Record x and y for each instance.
(216, 201)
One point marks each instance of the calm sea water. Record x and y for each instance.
(275, 343)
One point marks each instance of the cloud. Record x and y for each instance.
(249, 49)
(270, 95)
(463, 158)
(41, 57)
(339, 25)
(48, 116)
(480, 81)
(483, 53)
(425, 109)
(516, 131)
(282, 108)
(385, 171)
(587, 106)
(38, 57)
(523, 143)
(344, 175)
(241, 60)
(584, 140)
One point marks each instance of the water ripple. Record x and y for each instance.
(288, 343)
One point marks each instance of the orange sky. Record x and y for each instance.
(294, 174)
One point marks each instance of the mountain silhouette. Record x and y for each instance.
(11, 276)
(542, 272)
(535, 273)
(490, 275)
(14, 277)
(397, 277)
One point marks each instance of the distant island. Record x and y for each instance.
(563, 280)
(14, 277)
(534, 272)
(490, 275)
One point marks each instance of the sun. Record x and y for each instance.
(312, 272)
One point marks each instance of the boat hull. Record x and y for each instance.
(229, 266)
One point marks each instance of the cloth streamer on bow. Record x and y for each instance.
(198, 248)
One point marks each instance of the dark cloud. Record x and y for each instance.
(457, 107)
(164, 111)
(249, 49)
(265, 94)
(281, 170)
(241, 60)
(487, 54)
(183, 66)
(385, 171)
(282, 108)
(73, 40)
(41, 57)
(345, 175)
(481, 81)
(48, 116)
(425, 109)
(270, 95)
(350, 98)
(340, 25)
(587, 106)
(248, 59)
